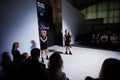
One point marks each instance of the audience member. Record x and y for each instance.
(16, 66)
(110, 70)
(55, 65)
(15, 52)
(114, 38)
(33, 68)
(104, 38)
(25, 56)
(97, 38)
(6, 66)
(93, 39)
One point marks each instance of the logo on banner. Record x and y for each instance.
(44, 27)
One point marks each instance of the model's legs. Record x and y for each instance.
(46, 52)
(66, 50)
(69, 51)
(42, 55)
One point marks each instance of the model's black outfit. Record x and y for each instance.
(67, 40)
(43, 44)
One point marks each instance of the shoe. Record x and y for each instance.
(47, 57)
(70, 53)
(66, 52)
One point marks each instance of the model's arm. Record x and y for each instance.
(42, 39)
(46, 39)
(70, 33)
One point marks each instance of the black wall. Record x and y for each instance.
(44, 12)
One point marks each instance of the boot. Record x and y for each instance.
(47, 57)
(42, 60)
(70, 53)
(66, 52)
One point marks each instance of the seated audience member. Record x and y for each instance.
(119, 37)
(114, 38)
(25, 56)
(97, 38)
(55, 65)
(93, 40)
(104, 41)
(104, 38)
(6, 66)
(110, 70)
(33, 68)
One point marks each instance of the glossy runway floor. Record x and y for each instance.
(84, 61)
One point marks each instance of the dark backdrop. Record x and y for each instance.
(45, 17)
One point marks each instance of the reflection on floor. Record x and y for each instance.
(84, 61)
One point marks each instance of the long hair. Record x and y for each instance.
(15, 52)
(55, 63)
(14, 46)
(110, 69)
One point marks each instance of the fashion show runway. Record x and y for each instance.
(83, 61)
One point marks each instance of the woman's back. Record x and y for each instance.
(54, 71)
(110, 70)
(57, 76)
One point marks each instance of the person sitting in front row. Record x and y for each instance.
(110, 70)
(55, 65)
(33, 69)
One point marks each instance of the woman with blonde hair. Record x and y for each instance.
(43, 44)
(67, 41)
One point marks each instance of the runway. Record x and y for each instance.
(84, 61)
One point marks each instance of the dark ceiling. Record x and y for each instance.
(81, 4)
